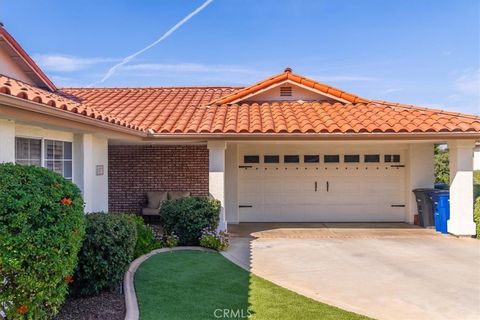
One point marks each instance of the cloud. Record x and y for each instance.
(469, 83)
(341, 78)
(391, 90)
(167, 34)
(66, 63)
(466, 93)
(188, 68)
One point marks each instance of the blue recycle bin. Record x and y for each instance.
(441, 209)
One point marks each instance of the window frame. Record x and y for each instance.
(29, 159)
(43, 150)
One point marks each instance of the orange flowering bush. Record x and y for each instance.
(41, 230)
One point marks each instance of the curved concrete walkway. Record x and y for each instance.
(386, 271)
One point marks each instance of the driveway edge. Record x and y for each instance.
(131, 304)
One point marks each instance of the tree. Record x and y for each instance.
(442, 171)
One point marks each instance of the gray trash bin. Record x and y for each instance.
(425, 206)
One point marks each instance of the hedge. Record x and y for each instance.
(41, 231)
(187, 217)
(106, 253)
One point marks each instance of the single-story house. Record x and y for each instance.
(285, 149)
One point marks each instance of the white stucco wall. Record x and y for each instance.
(476, 158)
(7, 141)
(216, 176)
(231, 183)
(420, 174)
(461, 187)
(88, 152)
(11, 69)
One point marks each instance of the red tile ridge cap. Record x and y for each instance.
(420, 108)
(289, 75)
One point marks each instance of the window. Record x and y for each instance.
(251, 159)
(311, 158)
(291, 159)
(392, 158)
(271, 159)
(28, 151)
(372, 158)
(331, 158)
(58, 157)
(349, 158)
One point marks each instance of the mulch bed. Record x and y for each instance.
(107, 305)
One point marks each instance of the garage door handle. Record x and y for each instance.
(315, 186)
(328, 186)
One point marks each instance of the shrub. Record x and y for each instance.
(187, 217)
(214, 240)
(170, 241)
(41, 230)
(106, 253)
(146, 241)
(476, 216)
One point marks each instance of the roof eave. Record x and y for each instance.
(28, 105)
(322, 136)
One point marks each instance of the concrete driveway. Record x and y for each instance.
(386, 271)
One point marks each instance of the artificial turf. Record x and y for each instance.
(205, 285)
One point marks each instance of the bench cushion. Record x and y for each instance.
(155, 199)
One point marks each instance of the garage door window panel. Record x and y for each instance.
(271, 159)
(331, 158)
(311, 158)
(291, 159)
(371, 158)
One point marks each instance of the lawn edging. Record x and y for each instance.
(131, 304)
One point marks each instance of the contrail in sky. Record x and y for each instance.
(112, 70)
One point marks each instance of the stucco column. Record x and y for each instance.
(91, 170)
(7, 141)
(461, 187)
(216, 176)
(420, 174)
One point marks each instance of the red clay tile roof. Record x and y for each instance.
(287, 75)
(188, 110)
(19, 89)
(153, 108)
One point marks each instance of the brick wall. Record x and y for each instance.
(134, 170)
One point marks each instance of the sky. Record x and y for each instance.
(421, 52)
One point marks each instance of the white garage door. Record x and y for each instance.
(322, 192)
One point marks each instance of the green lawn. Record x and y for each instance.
(193, 284)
